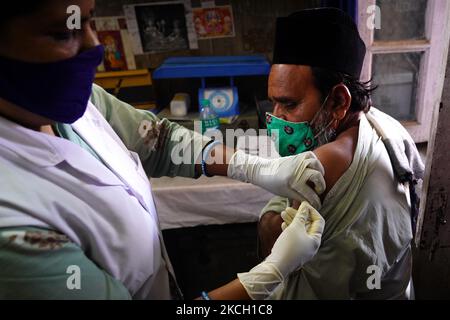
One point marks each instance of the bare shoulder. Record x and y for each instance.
(337, 156)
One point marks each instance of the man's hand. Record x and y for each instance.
(297, 177)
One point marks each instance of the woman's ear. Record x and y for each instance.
(342, 101)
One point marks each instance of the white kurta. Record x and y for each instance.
(368, 227)
(51, 182)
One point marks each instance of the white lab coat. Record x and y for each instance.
(50, 182)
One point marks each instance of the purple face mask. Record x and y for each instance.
(58, 91)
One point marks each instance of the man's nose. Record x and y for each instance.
(278, 111)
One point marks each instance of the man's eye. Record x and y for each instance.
(290, 105)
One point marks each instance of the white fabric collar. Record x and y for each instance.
(44, 150)
(33, 146)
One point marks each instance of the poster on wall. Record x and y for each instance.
(113, 35)
(161, 26)
(213, 22)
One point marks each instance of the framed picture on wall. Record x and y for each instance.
(213, 22)
(160, 27)
(112, 33)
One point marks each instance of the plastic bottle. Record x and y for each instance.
(209, 119)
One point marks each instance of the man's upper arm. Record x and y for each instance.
(336, 158)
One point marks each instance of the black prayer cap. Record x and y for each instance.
(322, 37)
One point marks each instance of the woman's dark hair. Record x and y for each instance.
(16, 8)
(325, 80)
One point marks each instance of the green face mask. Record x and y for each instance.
(290, 138)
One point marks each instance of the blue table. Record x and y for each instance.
(217, 66)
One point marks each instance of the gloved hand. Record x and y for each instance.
(286, 176)
(295, 246)
(289, 213)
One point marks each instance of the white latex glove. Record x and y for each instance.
(288, 215)
(286, 176)
(295, 246)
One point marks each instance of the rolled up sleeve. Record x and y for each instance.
(165, 148)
